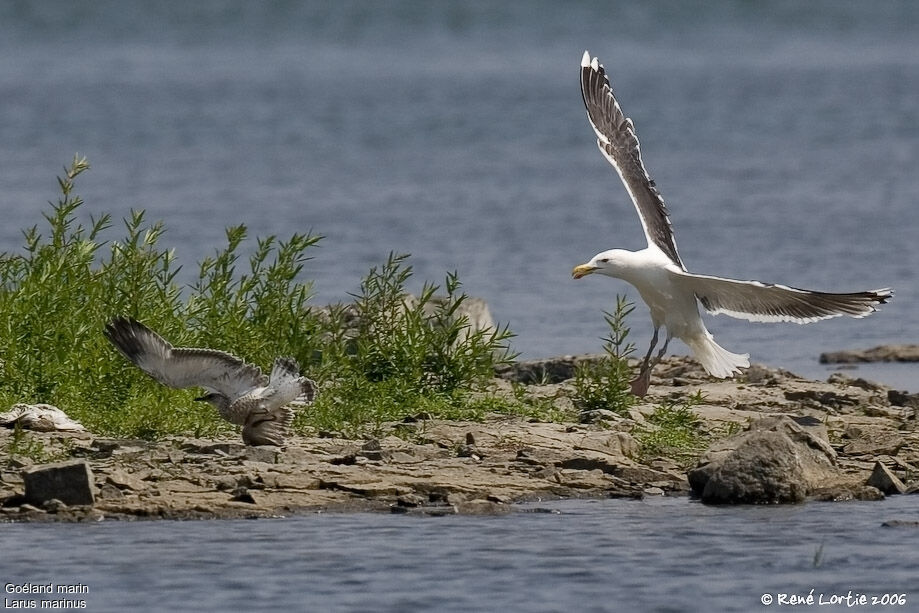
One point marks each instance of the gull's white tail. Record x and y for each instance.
(715, 359)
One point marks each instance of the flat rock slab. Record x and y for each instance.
(69, 482)
(882, 353)
(883, 479)
(839, 427)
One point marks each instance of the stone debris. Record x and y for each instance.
(821, 442)
(776, 460)
(883, 479)
(69, 482)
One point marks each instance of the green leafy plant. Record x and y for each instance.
(403, 354)
(604, 384)
(386, 356)
(674, 431)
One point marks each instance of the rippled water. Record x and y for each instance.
(783, 135)
(660, 554)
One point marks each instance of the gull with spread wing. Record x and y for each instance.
(239, 391)
(671, 292)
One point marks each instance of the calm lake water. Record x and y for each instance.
(783, 135)
(660, 554)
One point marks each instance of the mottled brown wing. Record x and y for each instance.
(182, 367)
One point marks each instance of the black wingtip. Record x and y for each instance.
(308, 389)
(123, 333)
(287, 366)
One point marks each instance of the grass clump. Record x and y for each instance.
(674, 431)
(23, 445)
(604, 384)
(386, 356)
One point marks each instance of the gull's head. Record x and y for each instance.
(219, 401)
(605, 263)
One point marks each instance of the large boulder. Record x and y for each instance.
(70, 482)
(776, 460)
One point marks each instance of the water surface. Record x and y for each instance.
(659, 554)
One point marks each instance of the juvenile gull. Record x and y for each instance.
(657, 272)
(240, 392)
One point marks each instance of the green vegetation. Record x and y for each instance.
(387, 356)
(674, 432)
(384, 357)
(403, 355)
(23, 445)
(604, 384)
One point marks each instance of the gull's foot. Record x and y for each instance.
(641, 383)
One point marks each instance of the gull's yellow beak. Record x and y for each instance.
(582, 270)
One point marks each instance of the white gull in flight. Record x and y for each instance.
(239, 391)
(671, 292)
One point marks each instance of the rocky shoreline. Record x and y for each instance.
(775, 438)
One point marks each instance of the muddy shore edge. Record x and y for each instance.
(443, 467)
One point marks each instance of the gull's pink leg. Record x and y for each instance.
(641, 383)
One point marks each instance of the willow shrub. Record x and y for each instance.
(381, 358)
(605, 384)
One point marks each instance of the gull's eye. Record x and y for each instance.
(604, 260)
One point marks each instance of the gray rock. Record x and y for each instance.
(844, 379)
(211, 448)
(777, 460)
(883, 479)
(552, 370)
(243, 494)
(70, 482)
(846, 492)
(54, 505)
(598, 415)
(124, 480)
(882, 353)
(903, 399)
(110, 492)
(821, 398)
(18, 461)
(763, 469)
(262, 453)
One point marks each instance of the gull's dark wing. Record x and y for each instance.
(617, 141)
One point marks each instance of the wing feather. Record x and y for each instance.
(768, 302)
(182, 367)
(618, 142)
